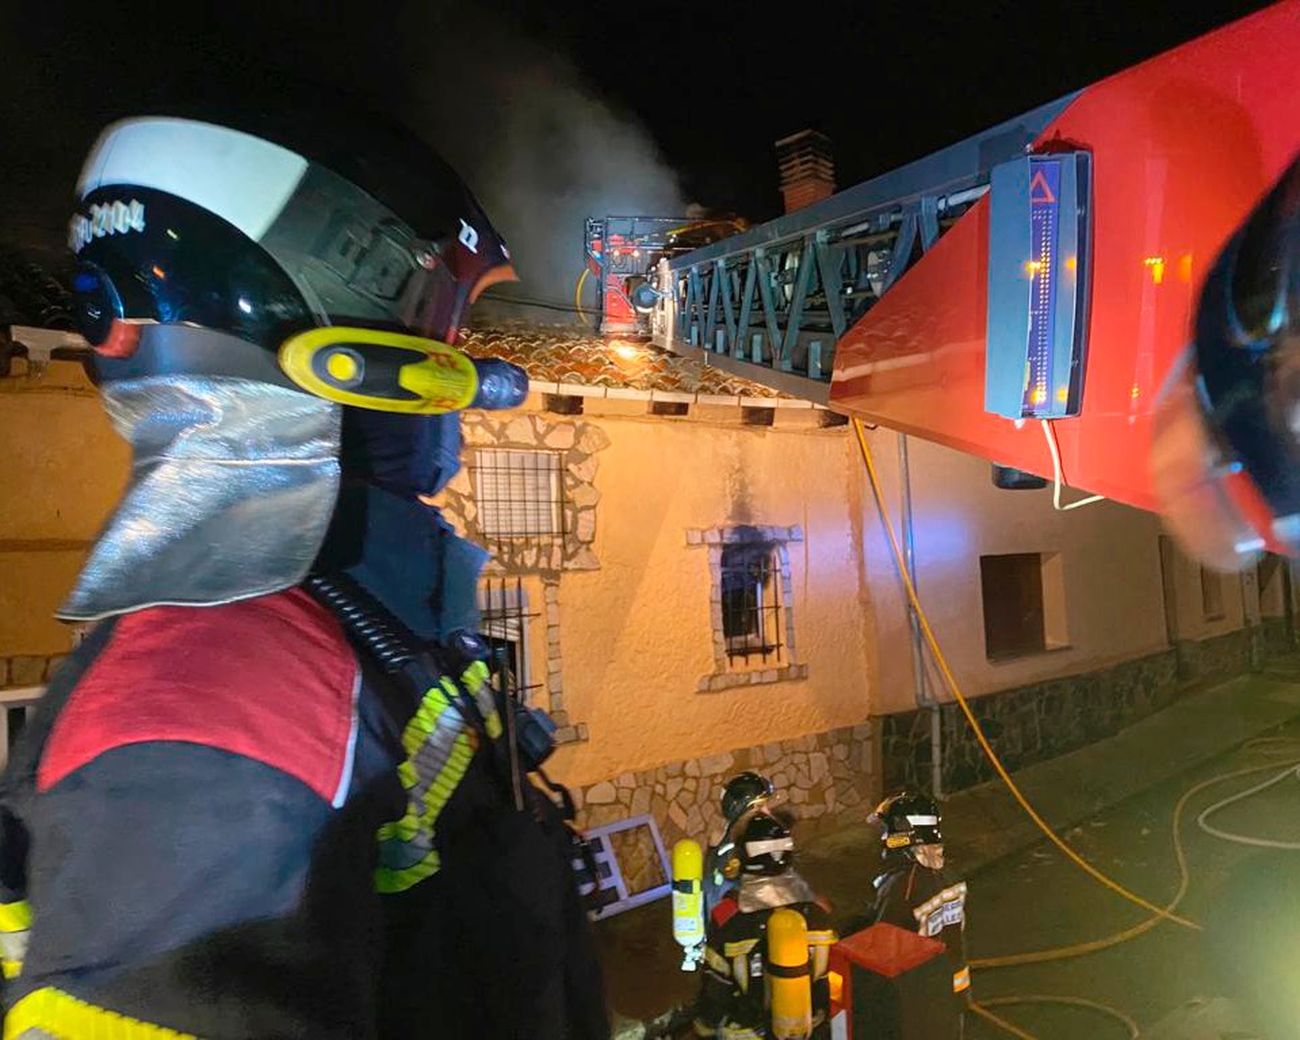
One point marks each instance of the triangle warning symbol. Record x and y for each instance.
(1039, 190)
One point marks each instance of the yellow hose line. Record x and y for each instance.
(1001, 1023)
(1062, 953)
(1079, 1002)
(987, 748)
(577, 295)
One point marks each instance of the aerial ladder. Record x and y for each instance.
(1029, 296)
(1045, 271)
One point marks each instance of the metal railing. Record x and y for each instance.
(771, 304)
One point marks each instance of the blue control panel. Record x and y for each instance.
(1039, 237)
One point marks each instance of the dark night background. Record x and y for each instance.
(552, 110)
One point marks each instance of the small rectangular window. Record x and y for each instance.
(1024, 604)
(751, 602)
(519, 493)
(1211, 594)
(562, 404)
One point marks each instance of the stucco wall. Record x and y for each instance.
(1109, 554)
(63, 470)
(638, 632)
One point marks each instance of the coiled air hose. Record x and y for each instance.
(365, 619)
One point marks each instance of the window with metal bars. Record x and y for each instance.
(751, 601)
(504, 614)
(520, 495)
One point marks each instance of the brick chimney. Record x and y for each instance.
(807, 169)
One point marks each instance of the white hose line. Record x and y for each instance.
(1058, 479)
(1113, 1013)
(1246, 839)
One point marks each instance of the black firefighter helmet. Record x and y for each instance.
(765, 846)
(338, 255)
(742, 791)
(908, 819)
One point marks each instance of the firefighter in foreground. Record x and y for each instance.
(912, 890)
(273, 794)
(742, 992)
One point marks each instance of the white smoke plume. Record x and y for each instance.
(538, 146)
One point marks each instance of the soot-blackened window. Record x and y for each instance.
(751, 601)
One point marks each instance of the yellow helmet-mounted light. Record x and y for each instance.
(383, 371)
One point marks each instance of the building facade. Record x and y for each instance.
(691, 576)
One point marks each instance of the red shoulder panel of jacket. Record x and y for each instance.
(724, 910)
(270, 678)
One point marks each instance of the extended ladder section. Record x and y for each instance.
(771, 304)
(1046, 271)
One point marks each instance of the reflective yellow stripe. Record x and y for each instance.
(15, 926)
(13, 950)
(439, 749)
(961, 980)
(58, 1016)
(717, 962)
(826, 938)
(473, 677)
(16, 916)
(739, 949)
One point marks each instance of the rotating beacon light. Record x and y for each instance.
(688, 901)
(788, 975)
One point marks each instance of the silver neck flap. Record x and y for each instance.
(233, 484)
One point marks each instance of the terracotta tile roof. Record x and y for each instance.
(557, 355)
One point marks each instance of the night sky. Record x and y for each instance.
(712, 84)
(888, 81)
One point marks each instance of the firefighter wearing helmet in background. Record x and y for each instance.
(233, 815)
(721, 864)
(913, 890)
(733, 997)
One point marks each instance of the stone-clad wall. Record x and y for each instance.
(1222, 657)
(826, 777)
(1027, 724)
(1033, 723)
(28, 669)
(1277, 636)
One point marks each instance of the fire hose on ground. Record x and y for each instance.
(1158, 914)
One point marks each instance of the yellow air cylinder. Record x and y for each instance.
(688, 899)
(789, 981)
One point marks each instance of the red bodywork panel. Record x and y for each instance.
(1183, 146)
